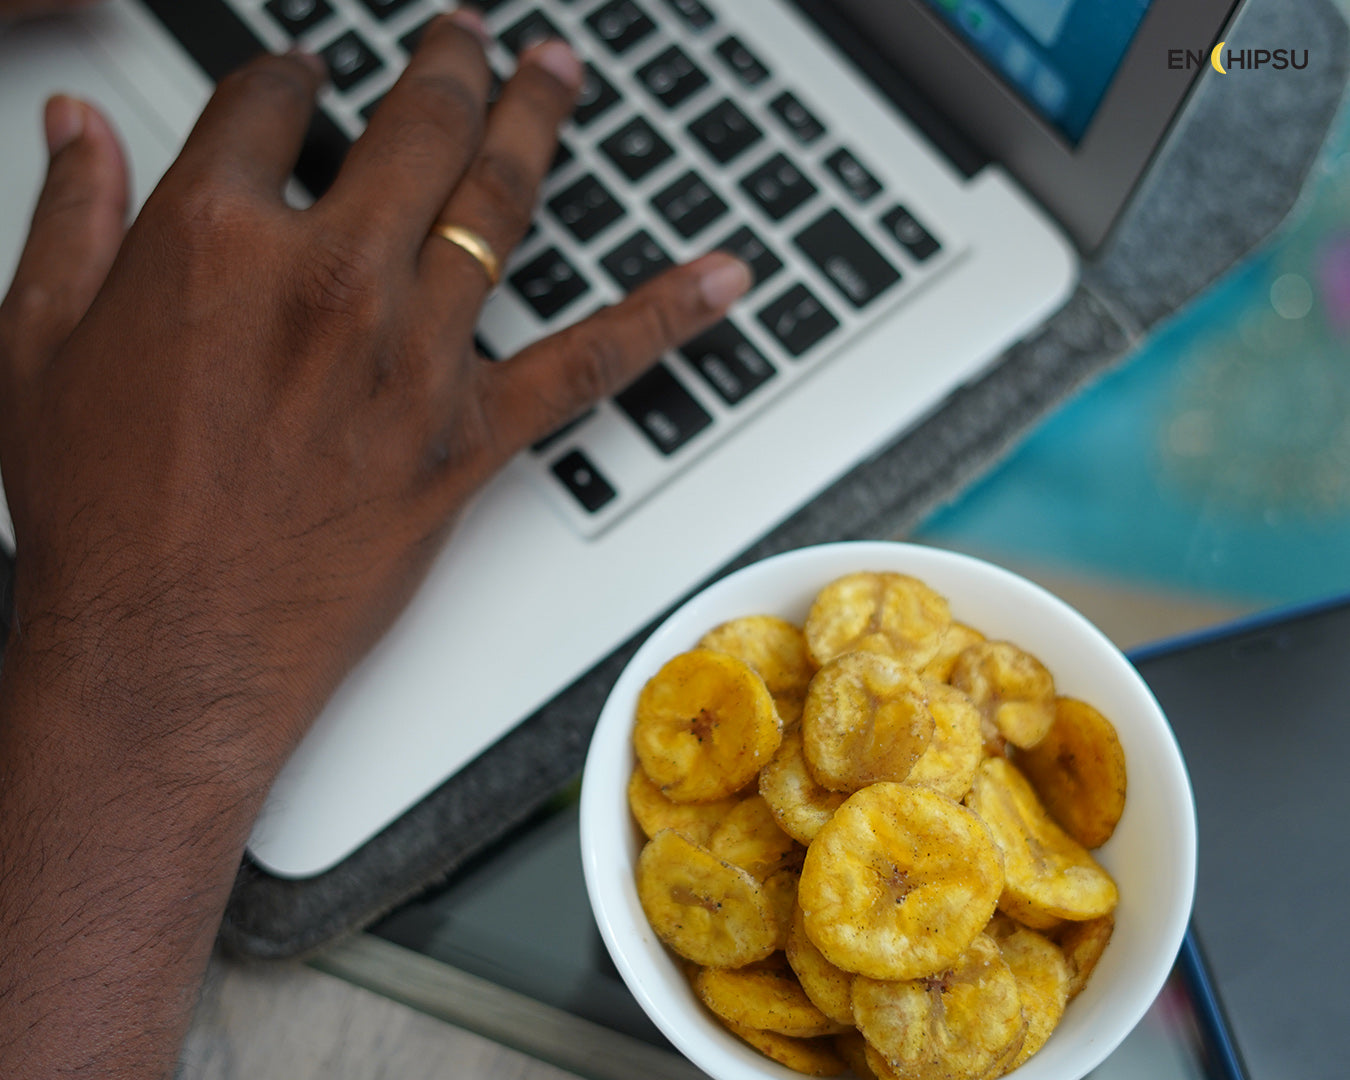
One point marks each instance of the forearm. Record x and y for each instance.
(116, 859)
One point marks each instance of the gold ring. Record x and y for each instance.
(476, 246)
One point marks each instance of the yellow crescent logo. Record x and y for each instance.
(1214, 58)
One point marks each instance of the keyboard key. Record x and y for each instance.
(798, 320)
(672, 77)
(857, 181)
(595, 97)
(531, 30)
(749, 248)
(557, 434)
(350, 60)
(689, 205)
(297, 16)
(663, 409)
(844, 256)
(742, 63)
(635, 260)
(636, 149)
(486, 351)
(620, 24)
(583, 480)
(912, 236)
(732, 366)
(549, 283)
(409, 41)
(725, 132)
(383, 9)
(778, 186)
(562, 157)
(322, 154)
(799, 121)
(586, 207)
(692, 13)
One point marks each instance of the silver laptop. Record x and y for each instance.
(911, 180)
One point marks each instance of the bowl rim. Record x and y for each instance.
(735, 1060)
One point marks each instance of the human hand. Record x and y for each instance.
(233, 440)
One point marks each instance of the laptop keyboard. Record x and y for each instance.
(685, 139)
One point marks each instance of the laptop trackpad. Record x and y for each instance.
(50, 56)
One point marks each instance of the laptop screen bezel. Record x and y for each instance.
(1086, 185)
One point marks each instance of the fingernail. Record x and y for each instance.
(64, 123)
(467, 18)
(558, 59)
(725, 281)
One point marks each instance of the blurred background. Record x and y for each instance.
(1209, 473)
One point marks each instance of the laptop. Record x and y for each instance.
(913, 181)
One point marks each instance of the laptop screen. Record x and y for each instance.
(1059, 56)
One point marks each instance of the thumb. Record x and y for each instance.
(77, 227)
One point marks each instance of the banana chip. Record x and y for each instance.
(1078, 770)
(877, 612)
(772, 647)
(948, 764)
(813, 1057)
(705, 726)
(800, 805)
(707, 910)
(1010, 687)
(1048, 875)
(852, 1047)
(1042, 976)
(781, 889)
(655, 812)
(750, 837)
(766, 996)
(957, 1024)
(827, 986)
(1083, 944)
(955, 641)
(898, 883)
(866, 720)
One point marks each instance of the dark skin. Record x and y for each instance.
(232, 438)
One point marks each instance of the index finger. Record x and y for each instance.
(547, 384)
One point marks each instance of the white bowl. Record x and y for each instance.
(1151, 855)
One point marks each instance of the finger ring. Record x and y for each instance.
(476, 246)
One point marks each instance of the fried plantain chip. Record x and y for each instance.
(781, 889)
(1083, 944)
(705, 909)
(1078, 770)
(898, 883)
(1010, 687)
(773, 648)
(877, 612)
(826, 985)
(749, 836)
(954, 642)
(705, 726)
(1048, 875)
(1042, 976)
(800, 805)
(948, 764)
(866, 720)
(852, 1047)
(813, 1057)
(955, 1025)
(765, 995)
(655, 812)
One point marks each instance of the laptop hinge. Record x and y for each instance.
(945, 136)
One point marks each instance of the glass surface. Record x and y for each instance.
(520, 918)
(1058, 55)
